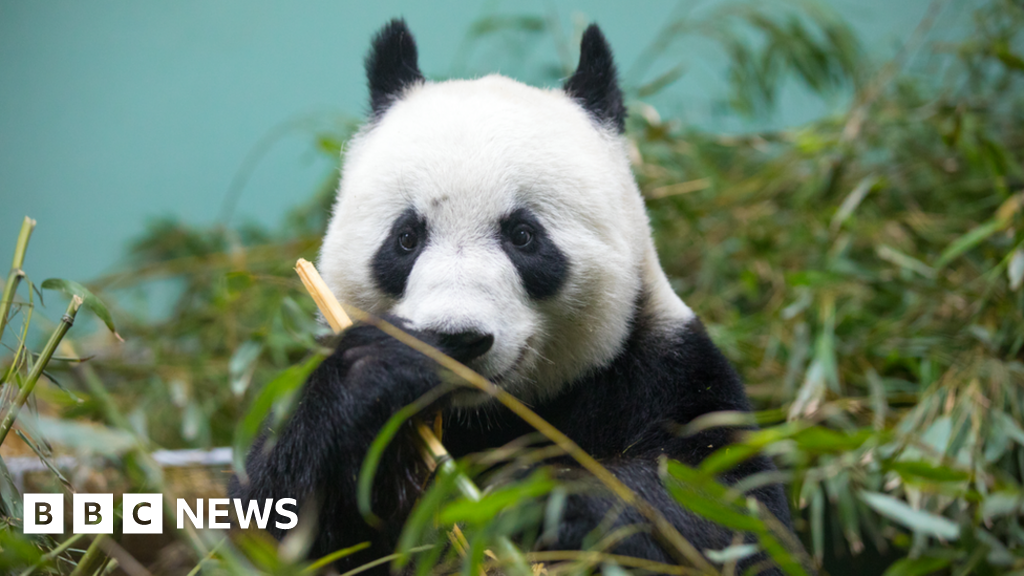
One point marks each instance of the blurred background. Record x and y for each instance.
(836, 188)
(113, 114)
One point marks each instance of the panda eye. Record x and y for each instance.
(521, 236)
(408, 241)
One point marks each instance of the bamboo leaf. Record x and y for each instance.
(969, 240)
(812, 391)
(917, 566)
(852, 200)
(890, 254)
(701, 494)
(10, 498)
(919, 469)
(1009, 426)
(44, 457)
(364, 486)
(1007, 57)
(88, 437)
(733, 553)
(333, 557)
(817, 520)
(822, 440)
(1015, 271)
(1003, 503)
(242, 366)
(90, 301)
(536, 485)
(612, 569)
(421, 520)
(727, 458)
(917, 520)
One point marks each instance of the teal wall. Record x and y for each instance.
(114, 112)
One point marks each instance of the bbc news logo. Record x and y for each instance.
(144, 513)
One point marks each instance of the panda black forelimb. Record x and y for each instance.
(317, 456)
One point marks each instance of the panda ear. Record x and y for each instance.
(391, 65)
(595, 83)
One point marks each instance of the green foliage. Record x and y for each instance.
(865, 273)
(863, 263)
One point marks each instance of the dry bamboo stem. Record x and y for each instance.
(322, 295)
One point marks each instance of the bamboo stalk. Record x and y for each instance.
(469, 490)
(92, 557)
(16, 273)
(435, 454)
(322, 295)
(37, 369)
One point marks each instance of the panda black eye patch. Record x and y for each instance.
(395, 258)
(541, 265)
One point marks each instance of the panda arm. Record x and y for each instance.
(316, 457)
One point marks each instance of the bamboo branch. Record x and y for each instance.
(677, 545)
(322, 295)
(52, 554)
(435, 454)
(37, 369)
(16, 273)
(469, 490)
(92, 557)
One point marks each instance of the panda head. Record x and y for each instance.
(500, 216)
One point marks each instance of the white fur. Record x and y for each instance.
(465, 153)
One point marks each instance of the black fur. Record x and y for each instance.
(318, 454)
(392, 263)
(623, 414)
(541, 265)
(392, 65)
(595, 83)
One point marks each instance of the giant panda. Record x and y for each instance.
(501, 223)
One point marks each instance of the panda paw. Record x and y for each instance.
(375, 367)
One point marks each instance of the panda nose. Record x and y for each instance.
(465, 346)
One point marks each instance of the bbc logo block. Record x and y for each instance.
(143, 513)
(44, 514)
(93, 514)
